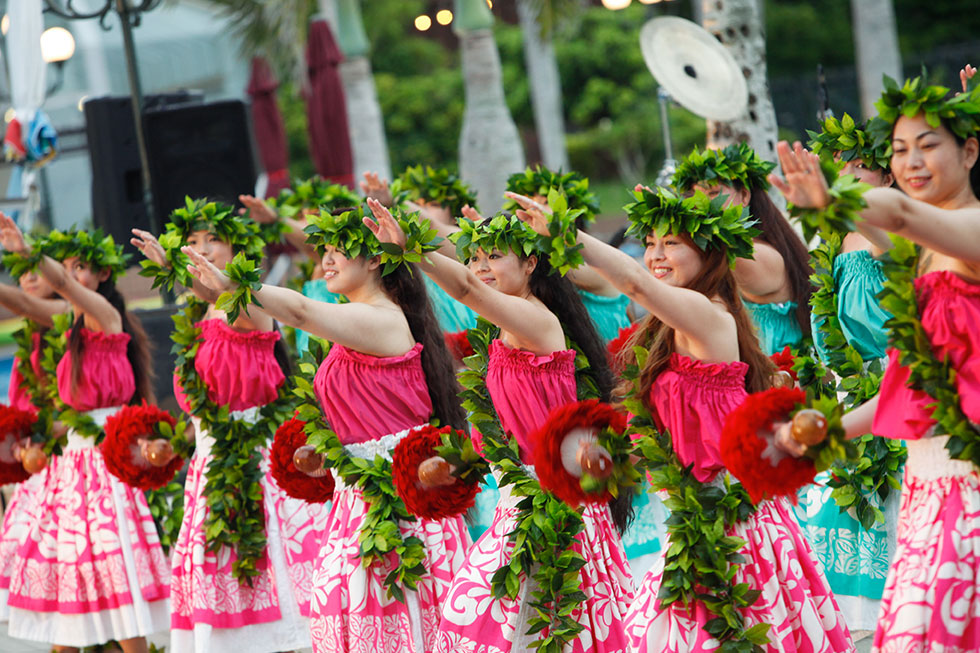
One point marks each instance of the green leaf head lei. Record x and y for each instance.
(314, 193)
(17, 264)
(433, 186)
(541, 181)
(736, 165)
(959, 113)
(504, 233)
(348, 233)
(95, 248)
(850, 141)
(201, 215)
(706, 221)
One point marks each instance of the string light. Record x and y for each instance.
(616, 4)
(444, 17)
(423, 23)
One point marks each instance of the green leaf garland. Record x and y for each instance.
(736, 165)
(541, 181)
(433, 186)
(246, 276)
(847, 140)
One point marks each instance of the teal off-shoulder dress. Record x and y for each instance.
(775, 324)
(855, 560)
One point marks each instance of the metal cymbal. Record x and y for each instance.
(694, 68)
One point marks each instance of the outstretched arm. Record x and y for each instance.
(33, 308)
(259, 211)
(370, 329)
(89, 302)
(687, 311)
(536, 328)
(763, 274)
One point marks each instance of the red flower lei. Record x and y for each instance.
(434, 503)
(290, 437)
(121, 450)
(14, 425)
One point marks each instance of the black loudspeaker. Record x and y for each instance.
(199, 150)
(158, 324)
(117, 177)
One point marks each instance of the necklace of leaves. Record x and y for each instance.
(545, 526)
(698, 564)
(32, 383)
(233, 491)
(927, 374)
(380, 534)
(873, 473)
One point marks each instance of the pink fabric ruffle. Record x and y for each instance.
(107, 376)
(239, 368)
(691, 399)
(364, 397)
(525, 387)
(950, 312)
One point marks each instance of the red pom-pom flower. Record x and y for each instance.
(742, 448)
(428, 503)
(458, 345)
(784, 361)
(15, 425)
(121, 447)
(299, 485)
(617, 345)
(547, 440)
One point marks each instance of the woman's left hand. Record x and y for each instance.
(535, 214)
(805, 185)
(384, 226)
(10, 236)
(205, 271)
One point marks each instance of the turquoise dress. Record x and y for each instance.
(775, 324)
(855, 560)
(858, 279)
(608, 313)
(316, 289)
(453, 316)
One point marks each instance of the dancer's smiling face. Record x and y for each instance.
(506, 272)
(672, 259)
(209, 245)
(344, 275)
(929, 164)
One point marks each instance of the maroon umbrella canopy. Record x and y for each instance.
(326, 108)
(270, 134)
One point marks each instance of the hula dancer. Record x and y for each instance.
(929, 395)
(775, 283)
(91, 569)
(530, 371)
(387, 373)
(703, 358)
(244, 557)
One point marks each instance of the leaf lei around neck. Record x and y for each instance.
(56, 347)
(545, 527)
(541, 181)
(736, 165)
(706, 221)
(380, 534)
(233, 491)
(433, 186)
(201, 215)
(34, 384)
(698, 564)
(933, 377)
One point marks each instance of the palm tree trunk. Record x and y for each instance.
(367, 133)
(489, 146)
(876, 46)
(737, 24)
(545, 85)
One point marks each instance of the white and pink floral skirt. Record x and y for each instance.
(932, 596)
(18, 519)
(796, 600)
(91, 568)
(212, 610)
(473, 621)
(351, 609)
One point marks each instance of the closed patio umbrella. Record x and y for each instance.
(270, 134)
(326, 108)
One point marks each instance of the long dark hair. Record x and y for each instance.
(137, 351)
(559, 295)
(975, 170)
(777, 232)
(714, 280)
(404, 286)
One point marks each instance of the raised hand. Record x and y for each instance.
(535, 214)
(472, 215)
(384, 226)
(966, 75)
(10, 235)
(150, 247)
(641, 187)
(374, 187)
(805, 185)
(257, 209)
(205, 271)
